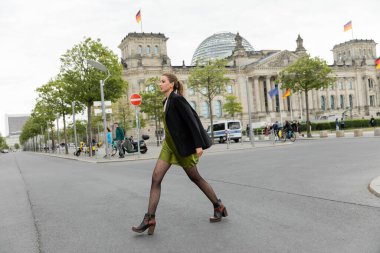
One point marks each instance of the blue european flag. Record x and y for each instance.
(273, 92)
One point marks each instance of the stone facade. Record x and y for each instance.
(144, 55)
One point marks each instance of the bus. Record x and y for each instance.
(221, 128)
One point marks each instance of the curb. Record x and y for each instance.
(374, 186)
(155, 157)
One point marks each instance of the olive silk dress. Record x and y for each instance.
(170, 154)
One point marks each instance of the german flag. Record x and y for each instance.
(348, 26)
(286, 94)
(138, 16)
(377, 62)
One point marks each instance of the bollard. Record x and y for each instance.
(340, 133)
(358, 132)
(377, 131)
(323, 134)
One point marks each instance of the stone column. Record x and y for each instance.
(268, 85)
(257, 94)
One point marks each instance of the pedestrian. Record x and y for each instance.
(372, 121)
(120, 139)
(183, 145)
(109, 141)
(342, 124)
(337, 124)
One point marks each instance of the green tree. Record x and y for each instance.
(83, 81)
(209, 81)
(122, 113)
(30, 130)
(151, 103)
(231, 106)
(304, 75)
(2, 142)
(55, 94)
(44, 116)
(17, 146)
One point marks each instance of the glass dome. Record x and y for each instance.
(218, 46)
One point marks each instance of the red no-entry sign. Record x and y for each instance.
(135, 99)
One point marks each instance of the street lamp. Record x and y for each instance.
(103, 68)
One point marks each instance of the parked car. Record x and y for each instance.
(5, 151)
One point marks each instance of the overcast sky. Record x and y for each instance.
(34, 34)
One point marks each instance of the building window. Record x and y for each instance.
(218, 108)
(332, 102)
(204, 90)
(350, 99)
(277, 100)
(265, 97)
(191, 91)
(156, 49)
(370, 83)
(341, 100)
(229, 89)
(372, 100)
(323, 103)
(288, 103)
(350, 85)
(341, 85)
(139, 49)
(148, 50)
(193, 105)
(205, 109)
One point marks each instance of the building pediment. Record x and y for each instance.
(277, 60)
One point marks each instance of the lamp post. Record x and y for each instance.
(103, 68)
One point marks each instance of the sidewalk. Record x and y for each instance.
(154, 151)
(374, 186)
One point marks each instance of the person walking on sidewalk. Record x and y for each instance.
(372, 121)
(109, 141)
(120, 139)
(185, 140)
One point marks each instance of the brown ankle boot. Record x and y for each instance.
(149, 221)
(219, 212)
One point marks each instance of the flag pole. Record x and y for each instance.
(141, 21)
(352, 31)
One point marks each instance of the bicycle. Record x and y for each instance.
(288, 134)
(113, 148)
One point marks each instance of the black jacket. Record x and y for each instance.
(184, 126)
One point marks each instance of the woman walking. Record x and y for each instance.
(185, 140)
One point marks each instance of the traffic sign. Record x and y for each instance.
(99, 103)
(135, 99)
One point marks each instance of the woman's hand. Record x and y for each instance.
(199, 152)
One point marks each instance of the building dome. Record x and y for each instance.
(218, 46)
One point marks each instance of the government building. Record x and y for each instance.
(355, 93)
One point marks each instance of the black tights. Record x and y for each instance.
(158, 175)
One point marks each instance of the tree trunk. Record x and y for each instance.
(65, 133)
(52, 137)
(89, 128)
(307, 114)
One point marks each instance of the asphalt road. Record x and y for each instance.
(311, 196)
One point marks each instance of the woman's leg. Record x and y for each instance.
(155, 190)
(206, 188)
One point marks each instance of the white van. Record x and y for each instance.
(221, 128)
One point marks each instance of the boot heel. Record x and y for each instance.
(151, 229)
(224, 213)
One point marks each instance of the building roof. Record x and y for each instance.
(218, 46)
